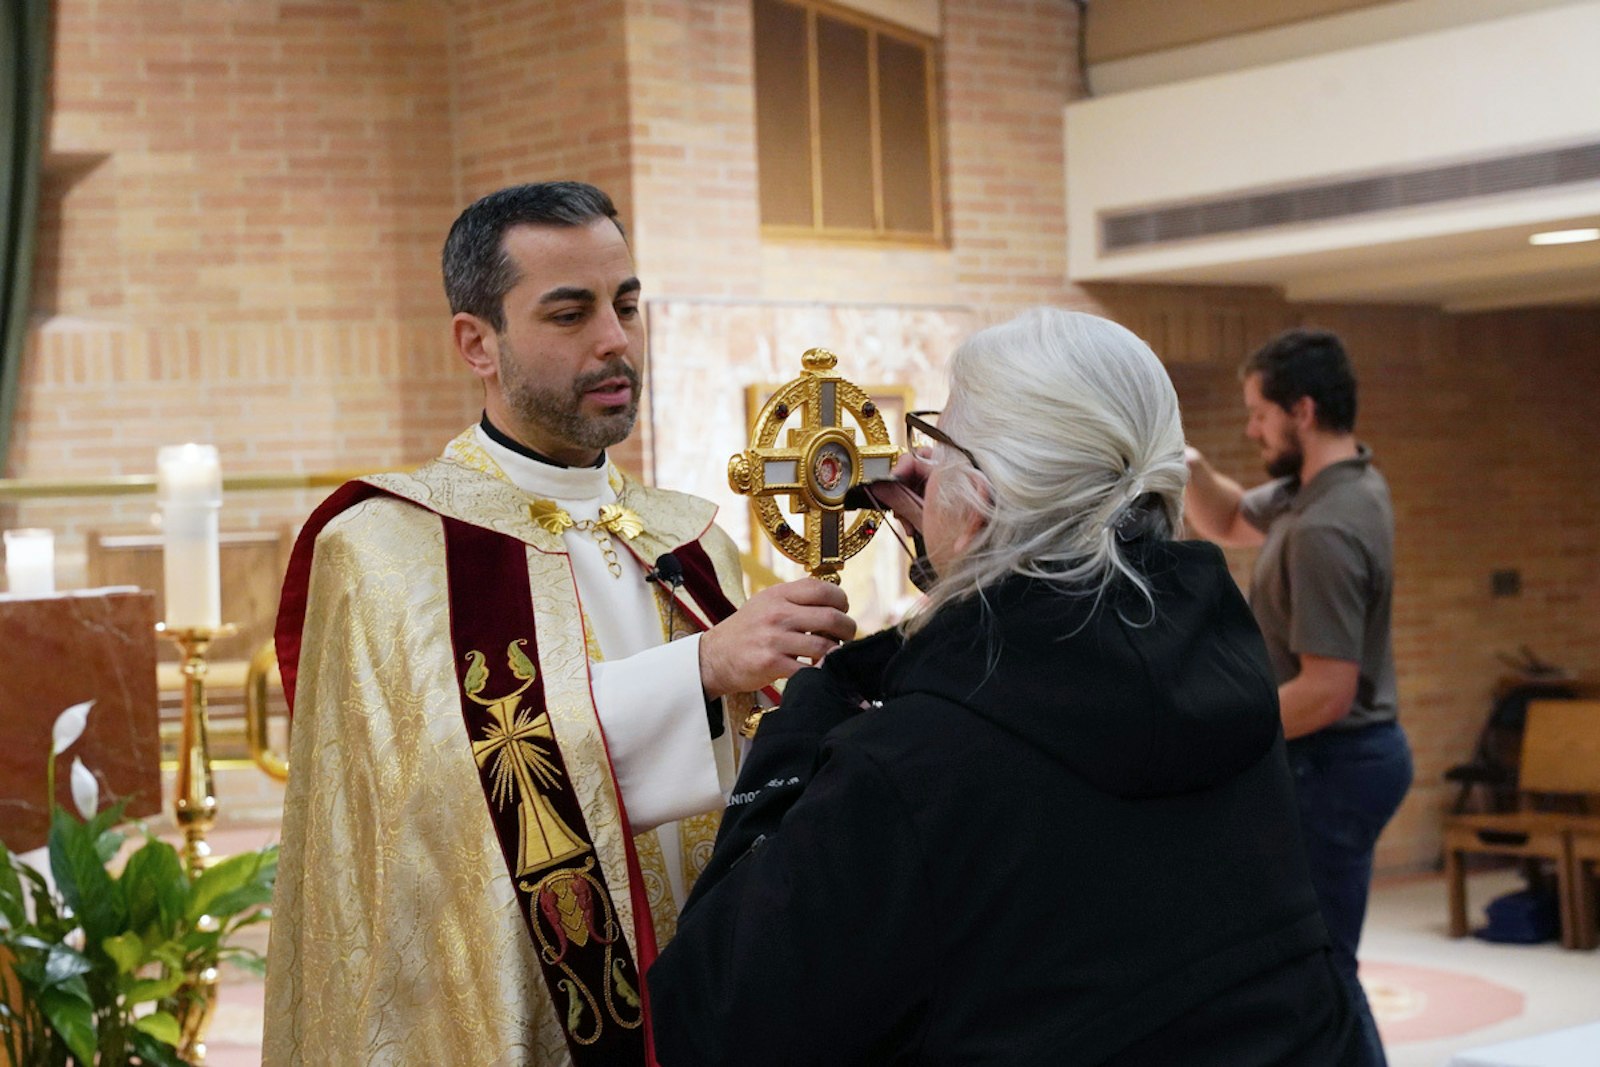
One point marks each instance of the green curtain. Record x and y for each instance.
(24, 82)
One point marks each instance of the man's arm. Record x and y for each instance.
(669, 761)
(1319, 696)
(1211, 505)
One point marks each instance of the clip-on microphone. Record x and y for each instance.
(667, 573)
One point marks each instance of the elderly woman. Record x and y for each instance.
(1049, 819)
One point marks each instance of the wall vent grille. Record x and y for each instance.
(1144, 227)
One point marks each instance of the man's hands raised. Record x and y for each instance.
(770, 636)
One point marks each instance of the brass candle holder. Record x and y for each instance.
(195, 807)
(195, 801)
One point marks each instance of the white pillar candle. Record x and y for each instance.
(30, 562)
(189, 483)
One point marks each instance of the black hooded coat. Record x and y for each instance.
(1066, 836)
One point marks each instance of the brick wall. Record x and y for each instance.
(692, 118)
(239, 244)
(259, 161)
(540, 92)
(1009, 71)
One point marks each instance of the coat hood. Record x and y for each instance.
(1140, 704)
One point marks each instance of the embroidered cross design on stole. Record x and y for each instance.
(512, 743)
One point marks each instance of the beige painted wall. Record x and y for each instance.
(1350, 113)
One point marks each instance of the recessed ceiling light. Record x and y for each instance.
(1565, 237)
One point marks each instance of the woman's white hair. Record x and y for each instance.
(1075, 425)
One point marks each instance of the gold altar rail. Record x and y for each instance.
(140, 484)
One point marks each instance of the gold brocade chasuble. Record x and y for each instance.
(397, 935)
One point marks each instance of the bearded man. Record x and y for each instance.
(1321, 591)
(506, 769)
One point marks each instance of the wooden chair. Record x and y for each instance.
(1489, 777)
(1560, 763)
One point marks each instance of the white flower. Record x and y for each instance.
(85, 789)
(69, 727)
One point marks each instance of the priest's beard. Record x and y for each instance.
(559, 411)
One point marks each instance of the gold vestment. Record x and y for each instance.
(396, 934)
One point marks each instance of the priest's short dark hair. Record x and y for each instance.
(477, 271)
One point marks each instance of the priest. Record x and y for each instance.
(506, 771)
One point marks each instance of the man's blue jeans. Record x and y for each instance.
(1348, 784)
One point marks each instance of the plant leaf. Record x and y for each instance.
(85, 885)
(170, 953)
(154, 988)
(71, 1013)
(154, 1053)
(156, 888)
(126, 951)
(234, 883)
(246, 960)
(63, 964)
(107, 818)
(12, 905)
(242, 899)
(108, 844)
(161, 1026)
(69, 727)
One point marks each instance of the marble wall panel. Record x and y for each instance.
(55, 652)
(704, 356)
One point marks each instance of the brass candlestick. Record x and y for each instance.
(195, 806)
(195, 802)
(198, 1000)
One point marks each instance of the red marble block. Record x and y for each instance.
(56, 652)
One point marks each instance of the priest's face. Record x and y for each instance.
(1273, 430)
(565, 380)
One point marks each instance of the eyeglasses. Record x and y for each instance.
(920, 432)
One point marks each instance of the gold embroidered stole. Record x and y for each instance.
(537, 802)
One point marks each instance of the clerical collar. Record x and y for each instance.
(506, 441)
(543, 477)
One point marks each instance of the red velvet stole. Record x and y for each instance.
(589, 970)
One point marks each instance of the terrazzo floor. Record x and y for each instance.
(1433, 996)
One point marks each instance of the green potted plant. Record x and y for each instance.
(107, 968)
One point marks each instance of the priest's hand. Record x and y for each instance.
(775, 633)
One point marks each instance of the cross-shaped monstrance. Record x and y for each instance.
(820, 463)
